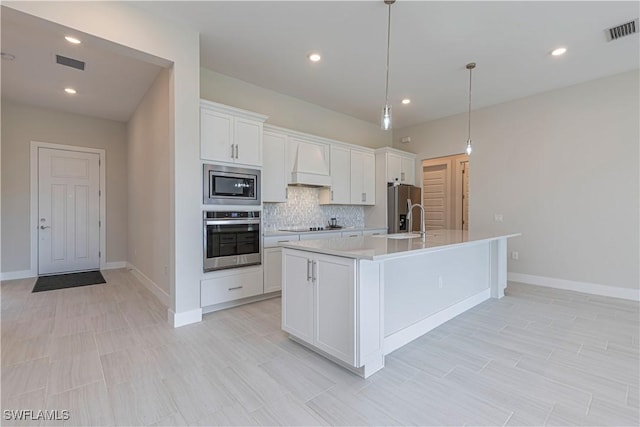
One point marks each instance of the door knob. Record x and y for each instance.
(42, 227)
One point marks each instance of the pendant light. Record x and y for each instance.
(470, 67)
(386, 110)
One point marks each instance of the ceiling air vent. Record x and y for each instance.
(70, 62)
(623, 30)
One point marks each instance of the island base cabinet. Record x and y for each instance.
(297, 296)
(318, 302)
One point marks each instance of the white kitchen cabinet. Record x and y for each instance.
(230, 135)
(340, 191)
(374, 232)
(363, 184)
(399, 166)
(394, 167)
(272, 261)
(229, 285)
(408, 170)
(274, 169)
(318, 302)
(298, 297)
(320, 235)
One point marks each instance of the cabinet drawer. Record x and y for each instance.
(230, 286)
(272, 242)
(376, 232)
(357, 233)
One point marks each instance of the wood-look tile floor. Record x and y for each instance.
(106, 353)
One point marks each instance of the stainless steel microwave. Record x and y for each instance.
(227, 185)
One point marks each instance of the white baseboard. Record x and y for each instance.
(185, 317)
(151, 285)
(410, 333)
(14, 275)
(572, 285)
(113, 265)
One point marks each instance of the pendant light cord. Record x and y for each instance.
(386, 92)
(470, 67)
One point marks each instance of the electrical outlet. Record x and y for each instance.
(498, 217)
(514, 255)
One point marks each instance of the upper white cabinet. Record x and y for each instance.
(230, 135)
(274, 170)
(399, 165)
(340, 191)
(363, 183)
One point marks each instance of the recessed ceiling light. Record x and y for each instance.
(72, 40)
(559, 51)
(70, 90)
(314, 57)
(406, 101)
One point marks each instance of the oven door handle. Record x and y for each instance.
(231, 222)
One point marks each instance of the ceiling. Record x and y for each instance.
(266, 43)
(112, 85)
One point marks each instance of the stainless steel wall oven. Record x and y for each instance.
(231, 239)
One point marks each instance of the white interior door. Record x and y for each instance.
(68, 211)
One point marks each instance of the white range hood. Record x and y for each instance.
(310, 167)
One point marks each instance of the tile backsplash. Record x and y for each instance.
(303, 209)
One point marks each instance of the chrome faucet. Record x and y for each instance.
(423, 233)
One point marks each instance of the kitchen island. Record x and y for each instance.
(355, 300)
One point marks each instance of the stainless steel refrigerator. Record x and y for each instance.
(397, 207)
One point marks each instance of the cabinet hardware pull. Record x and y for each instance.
(402, 176)
(331, 194)
(308, 270)
(237, 287)
(283, 241)
(232, 151)
(314, 265)
(237, 151)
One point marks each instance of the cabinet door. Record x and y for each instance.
(335, 306)
(272, 269)
(340, 175)
(394, 167)
(216, 136)
(248, 142)
(408, 171)
(297, 296)
(274, 174)
(357, 172)
(369, 178)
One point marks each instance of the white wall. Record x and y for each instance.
(563, 169)
(22, 124)
(148, 198)
(142, 35)
(289, 112)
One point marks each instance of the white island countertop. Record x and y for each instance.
(390, 246)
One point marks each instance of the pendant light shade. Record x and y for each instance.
(470, 67)
(386, 117)
(386, 110)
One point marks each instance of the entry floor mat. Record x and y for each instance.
(71, 280)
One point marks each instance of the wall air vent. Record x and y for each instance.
(70, 62)
(623, 30)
